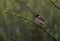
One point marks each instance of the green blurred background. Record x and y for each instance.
(15, 28)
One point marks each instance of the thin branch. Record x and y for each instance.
(38, 26)
(55, 5)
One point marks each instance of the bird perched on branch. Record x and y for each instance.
(39, 20)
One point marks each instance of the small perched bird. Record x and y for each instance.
(39, 20)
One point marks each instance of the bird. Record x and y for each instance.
(37, 33)
(39, 20)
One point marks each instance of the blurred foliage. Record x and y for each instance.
(15, 28)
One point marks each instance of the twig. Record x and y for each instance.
(38, 26)
(55, 5)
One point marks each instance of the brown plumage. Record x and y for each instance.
(39, 20)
